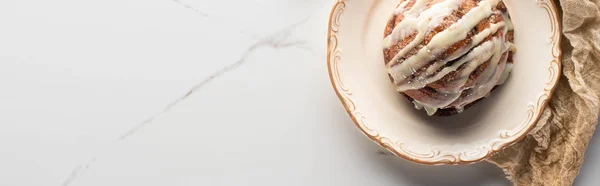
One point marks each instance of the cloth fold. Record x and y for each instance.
(553, 152)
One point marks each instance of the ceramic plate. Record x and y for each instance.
(359, 78)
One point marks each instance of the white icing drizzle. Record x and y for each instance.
(486, 81)
(430, 110)
(505, 74)
(495, 53)
(422, 21)
(441, 41)
(401, 8)
(483, 85)
(438, 44)
(440, 101)
(511, 47)
(509, 24)
(417, 7)
(477, 52)
(488, 31)
(418, 105)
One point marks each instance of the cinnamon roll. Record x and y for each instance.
(445, 55)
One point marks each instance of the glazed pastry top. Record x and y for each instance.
(443, 44)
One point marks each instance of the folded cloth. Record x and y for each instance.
(552, 153)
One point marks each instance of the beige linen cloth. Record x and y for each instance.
(553, 151)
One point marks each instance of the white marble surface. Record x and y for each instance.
(95, 93)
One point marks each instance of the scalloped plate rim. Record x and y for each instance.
(349, 106)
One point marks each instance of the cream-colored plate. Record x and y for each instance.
(358, 76)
